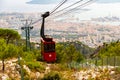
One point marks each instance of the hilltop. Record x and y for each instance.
(72, 62)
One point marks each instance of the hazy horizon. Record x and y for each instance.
(99, 8)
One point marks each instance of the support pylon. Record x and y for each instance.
(27, 27)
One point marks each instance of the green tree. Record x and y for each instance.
(7, 51)
(66, 52)
(71, 54)
(60, 49)
(111, 49)
(9, 34)
(2, 50)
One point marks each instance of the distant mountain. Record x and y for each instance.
(106, 19)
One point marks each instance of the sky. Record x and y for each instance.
(96, 9)
(54, 1)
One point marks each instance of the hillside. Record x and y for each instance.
(13, 71)
(108, 49)
(72, 62)
(82, 48)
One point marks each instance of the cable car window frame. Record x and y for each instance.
(49, 47)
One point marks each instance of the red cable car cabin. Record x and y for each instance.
(47, 44)
(48, 50)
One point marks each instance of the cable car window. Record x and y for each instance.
(49, 47)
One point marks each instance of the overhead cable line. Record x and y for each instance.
(61, 3)
(37, 21)
(70, 10)
(58, 6)
(82, 5)
(69, 6)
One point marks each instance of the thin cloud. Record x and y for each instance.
(56, 1)
(43, 1)
(108, 1)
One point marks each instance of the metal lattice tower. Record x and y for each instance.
(27, 27)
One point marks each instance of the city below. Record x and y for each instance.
(93, 32)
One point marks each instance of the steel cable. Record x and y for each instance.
(58, 6)
(82, 5)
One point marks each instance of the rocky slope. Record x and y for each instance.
(12, 72)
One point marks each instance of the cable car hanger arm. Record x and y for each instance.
(43, 22)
